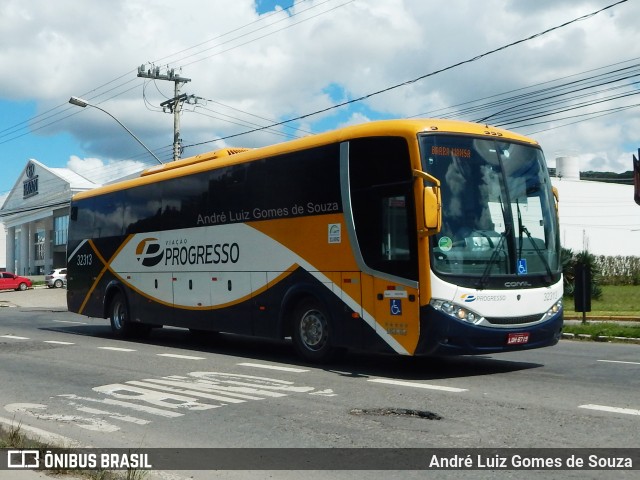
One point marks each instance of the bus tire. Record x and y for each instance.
(312, 332)
(119, 317)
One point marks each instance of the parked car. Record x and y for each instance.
(10, 281)
(56, 278)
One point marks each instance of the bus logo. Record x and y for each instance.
(148, 252)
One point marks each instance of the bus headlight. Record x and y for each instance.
(555, 308)
(456, 311)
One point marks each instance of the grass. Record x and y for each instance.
(621, 300)
(601, 329)
(616, 301)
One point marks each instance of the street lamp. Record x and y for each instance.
(83, 103)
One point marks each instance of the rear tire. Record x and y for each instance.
(312, 331)
(119, 316)
(121, 325)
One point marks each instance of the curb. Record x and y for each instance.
(600, 338)
(604, 318)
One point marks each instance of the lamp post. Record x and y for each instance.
(83, 103)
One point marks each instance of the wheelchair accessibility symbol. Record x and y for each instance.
(395, 306)
(522, 266)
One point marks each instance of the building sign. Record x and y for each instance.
(30, 185)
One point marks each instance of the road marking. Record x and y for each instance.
(58, 342)
(117, 349)
(120, 403)
(183, 357)
(14, 337)
(114, 415)
(274, 367)
(44, 435)
(69, 321)
(170, 386)
(604, 408)
(417, 385)
(619, 361)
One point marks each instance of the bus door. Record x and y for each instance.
(397, 312)
(396, 300)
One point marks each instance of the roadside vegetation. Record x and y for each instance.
(604, 331)
(614, 301)
(615, 297)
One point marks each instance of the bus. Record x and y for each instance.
(411, 237)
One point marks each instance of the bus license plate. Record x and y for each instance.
(518, 338)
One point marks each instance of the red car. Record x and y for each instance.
(9, 281)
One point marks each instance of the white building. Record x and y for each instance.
(36, 217)
(601, 218)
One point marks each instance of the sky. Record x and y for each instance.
(255, 64)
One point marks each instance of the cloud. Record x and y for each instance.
(100, 172)
(286, 64)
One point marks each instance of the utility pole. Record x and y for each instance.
(173, 105)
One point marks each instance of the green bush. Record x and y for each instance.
(619, 269)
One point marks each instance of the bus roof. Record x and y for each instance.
(231, 156)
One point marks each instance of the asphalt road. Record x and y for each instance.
(64, 374)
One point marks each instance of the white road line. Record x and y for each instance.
(117, 349)
(619, 361)
(417, 385)
(273, 367)
(604, 408)
(69, 321)
(183, 357)
(58, 342)
(115, 416)
(14, 337)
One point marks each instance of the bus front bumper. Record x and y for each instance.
(442, 335)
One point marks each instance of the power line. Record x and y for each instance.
(96, 92)
(409, 82)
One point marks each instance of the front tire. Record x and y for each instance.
(57, 284)
(312, 331)
(22, 287)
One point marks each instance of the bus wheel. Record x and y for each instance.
(312, 331)
(119, 316)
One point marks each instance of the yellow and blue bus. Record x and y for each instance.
(414, 237)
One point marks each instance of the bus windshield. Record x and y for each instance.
(498, 212)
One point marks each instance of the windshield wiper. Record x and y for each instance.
(525, 230)
(492, 259)
(494, 255)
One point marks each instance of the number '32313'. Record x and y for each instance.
(84, 259)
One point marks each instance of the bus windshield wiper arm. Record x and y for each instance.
(494, 255)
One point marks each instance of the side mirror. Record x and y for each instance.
(431, 204)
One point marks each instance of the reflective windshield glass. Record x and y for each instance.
(498, 214)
